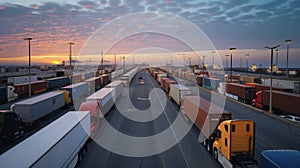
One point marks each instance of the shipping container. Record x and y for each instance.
(104, 79)
(94, 84)
(279, 159)
(250, 79)
(118, 85)
(260, 87)
(163, 81)
(281, 101)
(58, 82)
(177, 92)
(76, 78)
(211, 83)
(168, 83)
(105, 99)
(160, 76)
(37, 107)
(77, 91)
(62, 143)
(36, 87)
(240, 92)
(88, 75)
(21, 79)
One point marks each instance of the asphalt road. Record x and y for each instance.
(187, 153)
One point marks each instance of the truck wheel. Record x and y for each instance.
(79, 156)
(208, 147)
(216, 154)
(204, 143)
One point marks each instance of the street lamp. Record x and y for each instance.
(213, 59)
(70, 56)
(29, 64)
(271, 48)
(247, 56)
(241, 62)
(227, 61)
(123, 63)
(231, 50)
(203, 64)
(287, 55)
(277, 50)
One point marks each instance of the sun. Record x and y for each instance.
(55, 62)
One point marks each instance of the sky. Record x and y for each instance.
(248, 25)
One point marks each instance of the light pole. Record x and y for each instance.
(271, 48)
(277, 50)
(70, 55)
(29, 64)
(190, 62)
(213, 59)
(231, 50)
(227, 61)
(115, 60)
(203, 64)
(287, 56)
(247, 56)
(241, 62)
(123, 63)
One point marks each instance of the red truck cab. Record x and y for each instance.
(96, 115)
(257, 101)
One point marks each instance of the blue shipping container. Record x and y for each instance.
(207, 83)
(58, 82)
(280, 158)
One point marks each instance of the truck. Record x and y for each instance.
(66, 139)
(36, 87)
(240, 92)
(7, 94)
(95, 115)
(105, 99)
(178, 91)
(94, 84)
(118, 85)
(77, 93)
(282, 102)
(32, 109)
(279, 158)
(211, 83)
(230, 141)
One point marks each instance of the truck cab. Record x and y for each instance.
(257, 101)
(234, 143)
(10, 127)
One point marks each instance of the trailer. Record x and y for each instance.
(118, 85)
(95, 115)
(88, 75)
(66, 143)
(211, 83)
(279, 158)
(104, 79)
(21, 79)
(32, 109)
(76, 78)
(105, 99)
(230, 141)
(58, 82)
(282, 102)
(260, 87)
(77, 92)
(94, 84)
(240, 92)
(160, 76)
(249, 79)
(36, 87)
(178, 91)
(167, 84)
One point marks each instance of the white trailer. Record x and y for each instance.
(105, 98)
(37, 107)
(177, 92)
(118, 85)
(62, 143)
(21, 79)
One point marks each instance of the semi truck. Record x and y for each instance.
(32, 109)
(62, 143)
(7, 94)
(95, 115)
(240, 92)
(177, 92)
(230, 141)
(281, 101)
(279, 158)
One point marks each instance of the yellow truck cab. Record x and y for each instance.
(234, 143)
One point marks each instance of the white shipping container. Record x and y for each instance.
(105, 99)
(21, 79)
(177, 92)
(77, 90)
(159, 76)
(118, 85)
(56, 145)
(37, 107)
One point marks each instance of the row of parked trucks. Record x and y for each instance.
(232, 142)
(249, 90)
(20, 87)
(25, 115)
